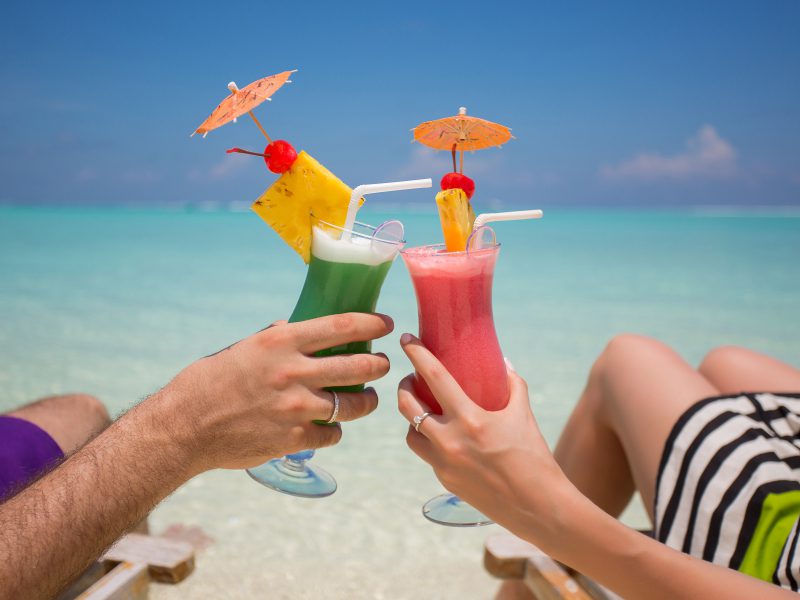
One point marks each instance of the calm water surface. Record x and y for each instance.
(114, 302)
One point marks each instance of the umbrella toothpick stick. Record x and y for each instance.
(269, 139)
(462, 162)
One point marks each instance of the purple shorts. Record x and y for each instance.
(26, 450)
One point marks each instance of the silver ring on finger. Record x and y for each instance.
(335, 408)
(419, 419)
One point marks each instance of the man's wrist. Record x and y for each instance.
(163, 417)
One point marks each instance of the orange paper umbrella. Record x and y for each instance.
(461, 133)
(243, 101)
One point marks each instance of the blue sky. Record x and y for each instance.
(638, 103)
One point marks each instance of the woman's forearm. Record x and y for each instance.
(89, 501)
(630, 563)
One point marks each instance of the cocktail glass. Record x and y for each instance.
(346, 272)
(454, 298)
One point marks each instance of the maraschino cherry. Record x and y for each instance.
(278, 155)
(460, 181)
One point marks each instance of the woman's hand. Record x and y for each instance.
(497, 461)
(500, 464)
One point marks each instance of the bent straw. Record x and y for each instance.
(514, 215)
(377, 188)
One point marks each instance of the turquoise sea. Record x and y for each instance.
(115, 301)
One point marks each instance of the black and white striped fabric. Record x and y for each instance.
(723, 458)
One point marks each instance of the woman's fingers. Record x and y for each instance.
(336, 330)
(352, 405)
(410, 406)
(445, 389)
(519, 398)
(421, 446)
(347, 369)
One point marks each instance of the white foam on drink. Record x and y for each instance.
(357, 250)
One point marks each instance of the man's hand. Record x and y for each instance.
(250, 402)
(258, 399)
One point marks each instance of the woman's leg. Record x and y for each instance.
(612, 443)
(732, 369)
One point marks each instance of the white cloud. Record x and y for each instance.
(487, 167)
(707, 156)
(227, 168)
(424, 162)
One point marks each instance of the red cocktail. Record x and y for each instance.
(454, 296)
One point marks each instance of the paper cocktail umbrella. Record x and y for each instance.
(243, 101)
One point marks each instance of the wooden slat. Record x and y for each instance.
(169, 561)
(126, 581)
(550, 581)
(594, 589)
(82, 583)
(505, 556)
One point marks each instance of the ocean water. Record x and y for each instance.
(115, 301)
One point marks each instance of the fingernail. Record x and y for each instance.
(406, 338)
(509, 365)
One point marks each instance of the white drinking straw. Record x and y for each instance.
(377, 188)
(514, 215)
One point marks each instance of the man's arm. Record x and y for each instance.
(235, 409)
(85, 504)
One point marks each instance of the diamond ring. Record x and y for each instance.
(335, 407)
(419, 419)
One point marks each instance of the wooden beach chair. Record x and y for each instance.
(529, 574)
(125, 571)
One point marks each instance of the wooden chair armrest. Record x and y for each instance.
(168, 560)
(126, 581)
(508, 557)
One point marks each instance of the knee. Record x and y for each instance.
(91, 409)
(621, 353)
(722, 359)
(626, 347)
(626, 352)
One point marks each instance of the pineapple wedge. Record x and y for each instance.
(456, 216)
(306, 187)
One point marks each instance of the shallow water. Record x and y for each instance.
(114, 302)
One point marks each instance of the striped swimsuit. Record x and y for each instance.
(728, 487)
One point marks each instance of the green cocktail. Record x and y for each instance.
(332, 288)
(346, 272)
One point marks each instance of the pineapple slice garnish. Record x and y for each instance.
(307, 187)
(456, 216)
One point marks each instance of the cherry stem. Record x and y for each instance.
(454, 158)
(240, 151)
